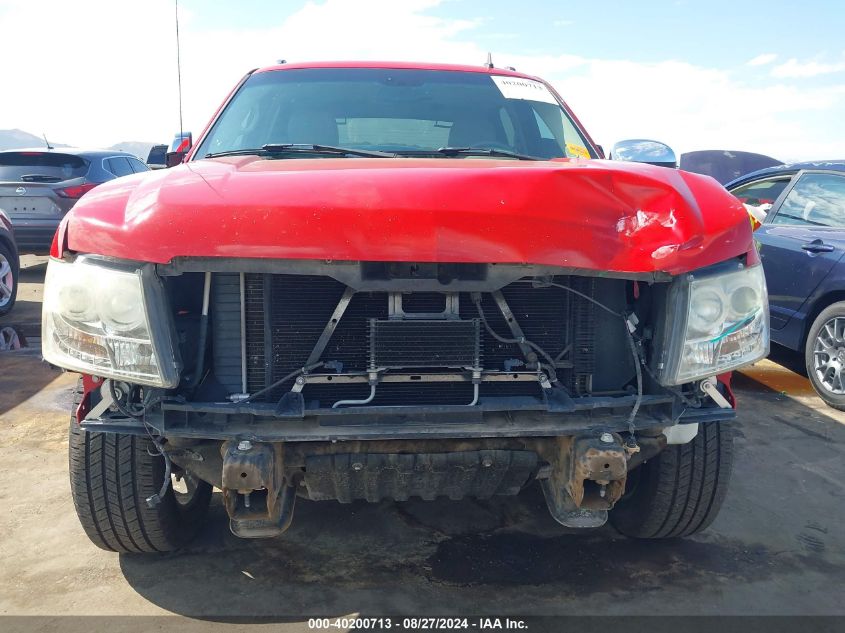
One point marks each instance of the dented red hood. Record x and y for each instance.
(590, 214)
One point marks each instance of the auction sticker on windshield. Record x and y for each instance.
(573, 150)
(519, 88)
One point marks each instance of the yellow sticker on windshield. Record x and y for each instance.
(577, 151)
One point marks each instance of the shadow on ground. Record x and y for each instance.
(790, 359)
(22, 379)
(33, 270)
(24, 312)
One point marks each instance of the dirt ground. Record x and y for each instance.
(778, 546)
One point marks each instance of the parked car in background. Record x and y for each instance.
(9, 265)
(156, 157)
(725, 165)
(39, 186)
(801, 243)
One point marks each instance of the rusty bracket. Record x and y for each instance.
(256, 495)
(587, 477)
(598, 472)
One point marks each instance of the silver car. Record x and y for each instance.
(39, 186)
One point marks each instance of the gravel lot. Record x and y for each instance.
(777, 548)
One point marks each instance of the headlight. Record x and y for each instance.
(96, 320)
(721, 322)
(122, 308)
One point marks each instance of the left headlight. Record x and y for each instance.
(716, 323)
(96, 320)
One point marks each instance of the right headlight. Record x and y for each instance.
(97, 320)
(715, 323)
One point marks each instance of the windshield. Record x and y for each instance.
(392, 110)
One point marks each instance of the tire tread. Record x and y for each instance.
(111, 476)
(679, 492)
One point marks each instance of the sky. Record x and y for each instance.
(758, 76)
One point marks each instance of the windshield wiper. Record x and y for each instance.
(325, 149)
(470, 151)
(302, 148)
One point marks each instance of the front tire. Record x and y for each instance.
(824, 355)
(679, 492)
(111, 476)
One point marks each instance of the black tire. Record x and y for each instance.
(826, 393)
(679, 492)
(111, 476)
(9, 255)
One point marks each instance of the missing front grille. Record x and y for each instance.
(423, 302)
(285, 315)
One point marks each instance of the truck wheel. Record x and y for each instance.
(112, 475)
(824, 354)
(679, 492)
(9, 267)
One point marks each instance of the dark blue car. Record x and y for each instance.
(801, 244)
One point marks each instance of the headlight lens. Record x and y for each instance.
(95, 321)
(122, 308)
(77, 301)
(707, 310)
(726, 325)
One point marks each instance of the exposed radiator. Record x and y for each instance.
(286, 314)
(419, 343)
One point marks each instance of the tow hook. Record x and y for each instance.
(587, 478)
(709, 386)
(257, 497)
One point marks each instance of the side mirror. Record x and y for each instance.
(645, 151)
(157, 157)
(171, 159)
(179, 148)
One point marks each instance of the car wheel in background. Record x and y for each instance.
(9, 268)
(825, 355)
(11, 339)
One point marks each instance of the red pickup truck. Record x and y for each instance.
(383, 280)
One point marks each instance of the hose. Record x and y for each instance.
(513, 341)
(154, 500)
(476, 390)
(583, 296)
(139, 411)
(367, 400)
(632, 345)
(126, 409)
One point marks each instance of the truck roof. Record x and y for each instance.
(399, 65)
